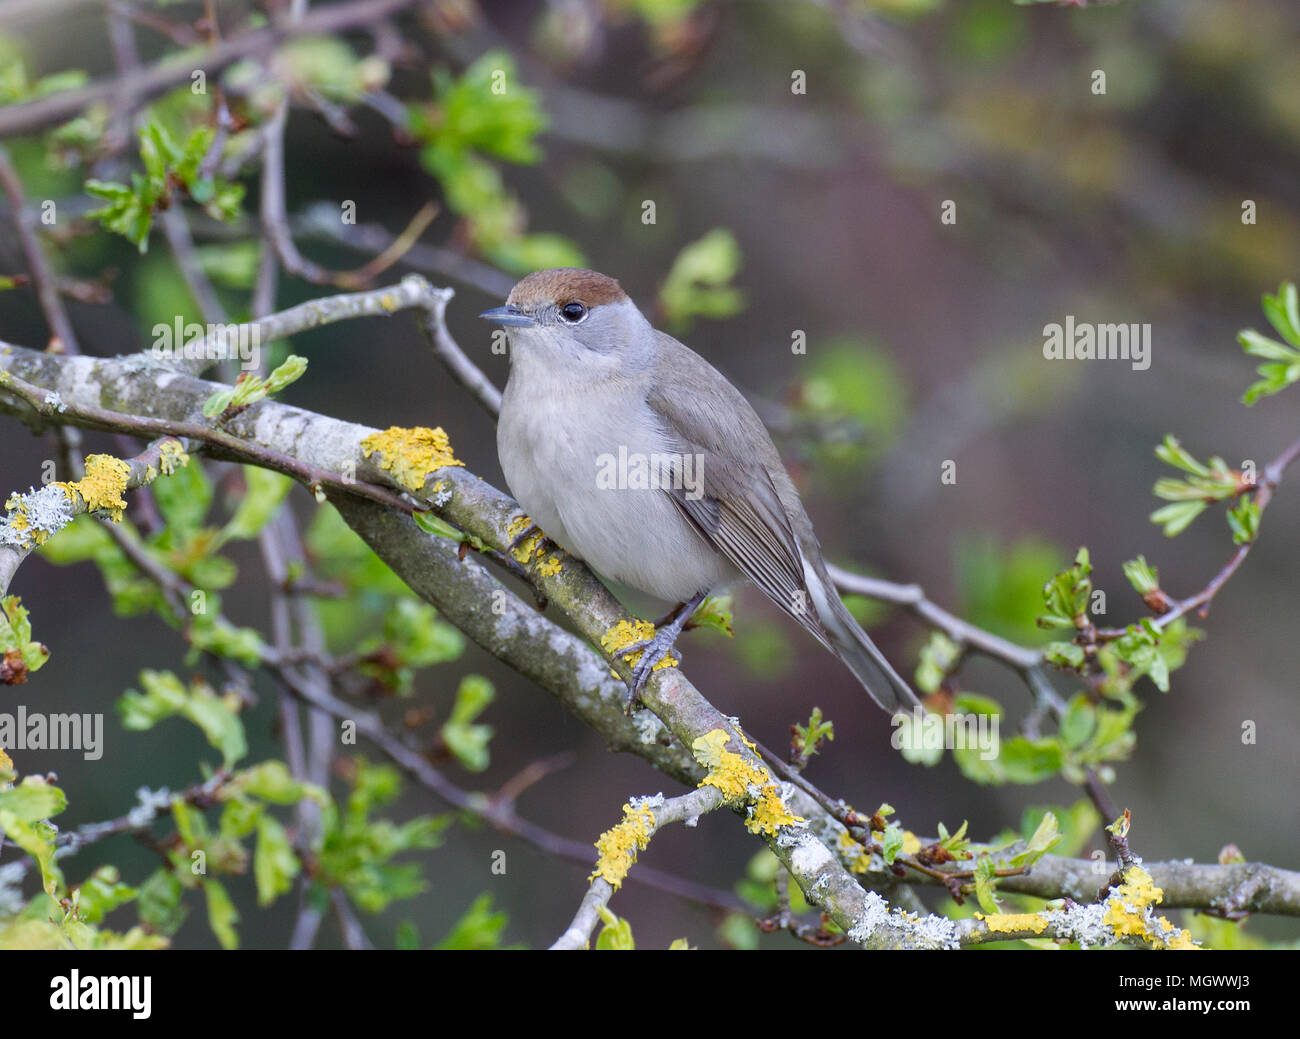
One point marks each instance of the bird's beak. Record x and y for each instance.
(508, 316)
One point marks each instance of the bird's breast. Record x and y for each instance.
(593, 468)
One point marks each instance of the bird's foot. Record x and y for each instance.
(527, 545)
(527, 541)
(658, 651)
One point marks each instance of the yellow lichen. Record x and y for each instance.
(734, 776)
(19, 522)
(171, 456)
(618, 847)
(6, 764)
(410, 454)
(1004, 923)
(1180, 940)
(549, 567)
(103, 485)
(627, 633)
(524, 548)
(1126, 912)
(911, 843)
(769, 813)
(854, 854)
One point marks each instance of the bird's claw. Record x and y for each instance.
(544, 544)
(653, 651)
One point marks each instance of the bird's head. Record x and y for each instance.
(569, 315)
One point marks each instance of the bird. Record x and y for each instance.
(634, 454)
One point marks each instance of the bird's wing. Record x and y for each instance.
(739, 510)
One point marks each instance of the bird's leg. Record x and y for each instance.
(528, 544)
(653, 650)
(671, 616)
(530, 530)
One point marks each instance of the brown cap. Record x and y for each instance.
(561, 285)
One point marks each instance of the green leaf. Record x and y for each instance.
(808, 738)
(412, 638)
(1142, 650)
(716, 612)
(250, 388)
(1064, 654)
(37, 839)
(220, 724)
(469, 742)
(1283, 361)
(1173, 453)
(479, 927)
(1044, 839)
(232, 265)
(264, 490)
(891, 842)
(239, 818)
(272, 781)
(616, 933)
(1079, 722)
(168, 167)
(1066, 595)
(16, 634)
(222, 915)
(487, 110)
(293, 369)
(184, 498)
(939, 656)
(32, 800)
(1283, 313)
(357, 850)
(213, 633)
(1258, 345)
(274, 863)
(1243, 520)
(957, 844)
(1113, 739)
(162, 905)
(1176, 517)
(698, 283)
(739, 931)
(101, 893)
(164, 697)
(1025, 760)
(1144, 578)
(433, 524)
(986, 885)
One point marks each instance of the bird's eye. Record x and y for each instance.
(573, 312)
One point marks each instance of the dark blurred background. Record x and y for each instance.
(924, 345)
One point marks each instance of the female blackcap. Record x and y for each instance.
(633, 453)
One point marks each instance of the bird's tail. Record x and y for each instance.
(854, 646)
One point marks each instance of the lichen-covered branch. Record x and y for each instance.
(643, 817)
(33, 518)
